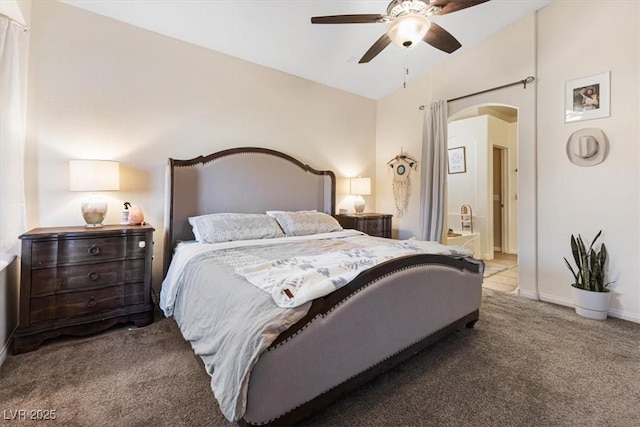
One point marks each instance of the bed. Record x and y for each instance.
(309, 354)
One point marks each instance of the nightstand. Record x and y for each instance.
(79, 281)
(374, 224)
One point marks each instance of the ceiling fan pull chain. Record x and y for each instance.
(406, 67)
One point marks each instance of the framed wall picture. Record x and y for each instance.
(587, 98)
(457, 160)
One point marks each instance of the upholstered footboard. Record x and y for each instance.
(383, 317)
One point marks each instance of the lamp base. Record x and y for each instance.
(358, 204)
(94, 209)
(94, 225)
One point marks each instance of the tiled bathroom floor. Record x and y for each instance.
(506, 280)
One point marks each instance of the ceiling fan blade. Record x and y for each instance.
(450, 6)
(374, 50)
(441, 39)
(347, 19)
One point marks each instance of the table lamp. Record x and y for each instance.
(94, 175)
(359, 187)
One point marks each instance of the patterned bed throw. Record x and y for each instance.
(294, 281)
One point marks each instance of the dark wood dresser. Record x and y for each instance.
(374, 224)
(78, 281)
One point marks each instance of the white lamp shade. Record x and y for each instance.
(360, 186)
(407, 30)
(94, 175)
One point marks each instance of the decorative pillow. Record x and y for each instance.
(227, 227)
(305, 223)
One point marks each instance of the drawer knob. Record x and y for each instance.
(94, 250)
(375, 225)
(93, 276)
(91, 302)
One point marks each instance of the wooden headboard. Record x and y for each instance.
(242, 180)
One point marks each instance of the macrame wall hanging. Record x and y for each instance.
(401, 165)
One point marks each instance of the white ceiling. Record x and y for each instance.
(278, 34)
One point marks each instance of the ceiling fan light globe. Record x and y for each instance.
(408, 30)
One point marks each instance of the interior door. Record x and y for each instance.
(498, 202)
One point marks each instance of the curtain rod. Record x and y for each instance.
(13, 21)
(524, 82)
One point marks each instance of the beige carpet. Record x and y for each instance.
(524, 364)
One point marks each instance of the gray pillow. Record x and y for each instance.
(306, 223)
(228, 227)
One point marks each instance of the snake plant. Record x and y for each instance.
(589, 273)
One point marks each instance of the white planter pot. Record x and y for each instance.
(593, 305)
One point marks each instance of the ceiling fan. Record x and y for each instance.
(408, 23)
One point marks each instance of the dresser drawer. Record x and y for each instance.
(374, 224)
(137, 246)
(63, 251)
(47, 281)
(62, 306)
(134, 293)
(372, 227)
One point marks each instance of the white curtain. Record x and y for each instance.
(12, 135)
(433, 173)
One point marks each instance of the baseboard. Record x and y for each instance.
(5, 348)
(554, 299)
(3, 353)
(631, 317)
(635, 318)
(525, 293)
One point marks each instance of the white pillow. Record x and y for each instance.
(305, 223)
(227, 227)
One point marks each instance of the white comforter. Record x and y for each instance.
(292, 282)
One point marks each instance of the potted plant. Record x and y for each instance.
(590, 292)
